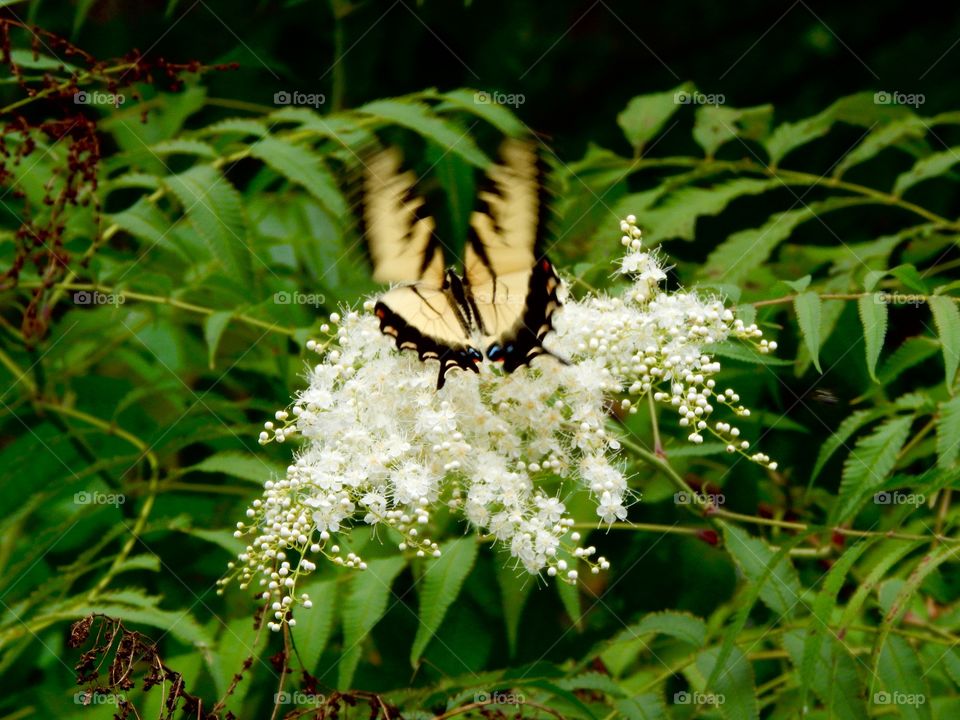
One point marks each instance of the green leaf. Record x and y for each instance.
(441, 584)
(734, 683)
(182, 146)
(683, 626)
(181, 625)
(744, 353)
(302, 166)
(838, 439)
(718, 124)
(946, 316)
(239, 126)
(315, 624)
(910, 353)
(819, 628)
(873, 315)
(215, 209)
(365, 604)
(904, 680)
(780, 589)
(807, 307)
(676, 215)
(833, 678)
(420, 118)
(243, 465)
(641, 707)
(857, 109)
(948, 433)
(868, 465)
(646, 115)
(514, 592)
(893, 134)
(495, 114)
(213, 328)
(929, 167)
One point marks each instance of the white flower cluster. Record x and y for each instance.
(384, 447)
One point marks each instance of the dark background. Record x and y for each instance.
(576, 63)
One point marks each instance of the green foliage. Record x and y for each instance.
(229, 238)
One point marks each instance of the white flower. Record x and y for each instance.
(381, 445)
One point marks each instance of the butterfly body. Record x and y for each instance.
(500, 307)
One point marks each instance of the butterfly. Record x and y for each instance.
(501, 307)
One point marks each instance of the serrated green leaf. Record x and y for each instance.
(420, 118)
(911, 352)
(926, 168)
(807, 307)
(946, 316)
(834, 678)
(743, 353)
(675, 215)
(514, 592)
(819, 628)
(859, 109)
(315, 624)
(441, 583)
(904, 680)
(948, 433)
(885, 136)
(781, 590)
(718, 124)
(641, 707)
(645, 115)
(497, 115)
(302, 166)
(215, 209)
(245, 466)
(838, 439)
(868, 465)
(184, 146)
(873, 315)
(734, 683)
(213, 328)
(366, 603)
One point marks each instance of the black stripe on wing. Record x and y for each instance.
(408, 337)
(524, 341)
